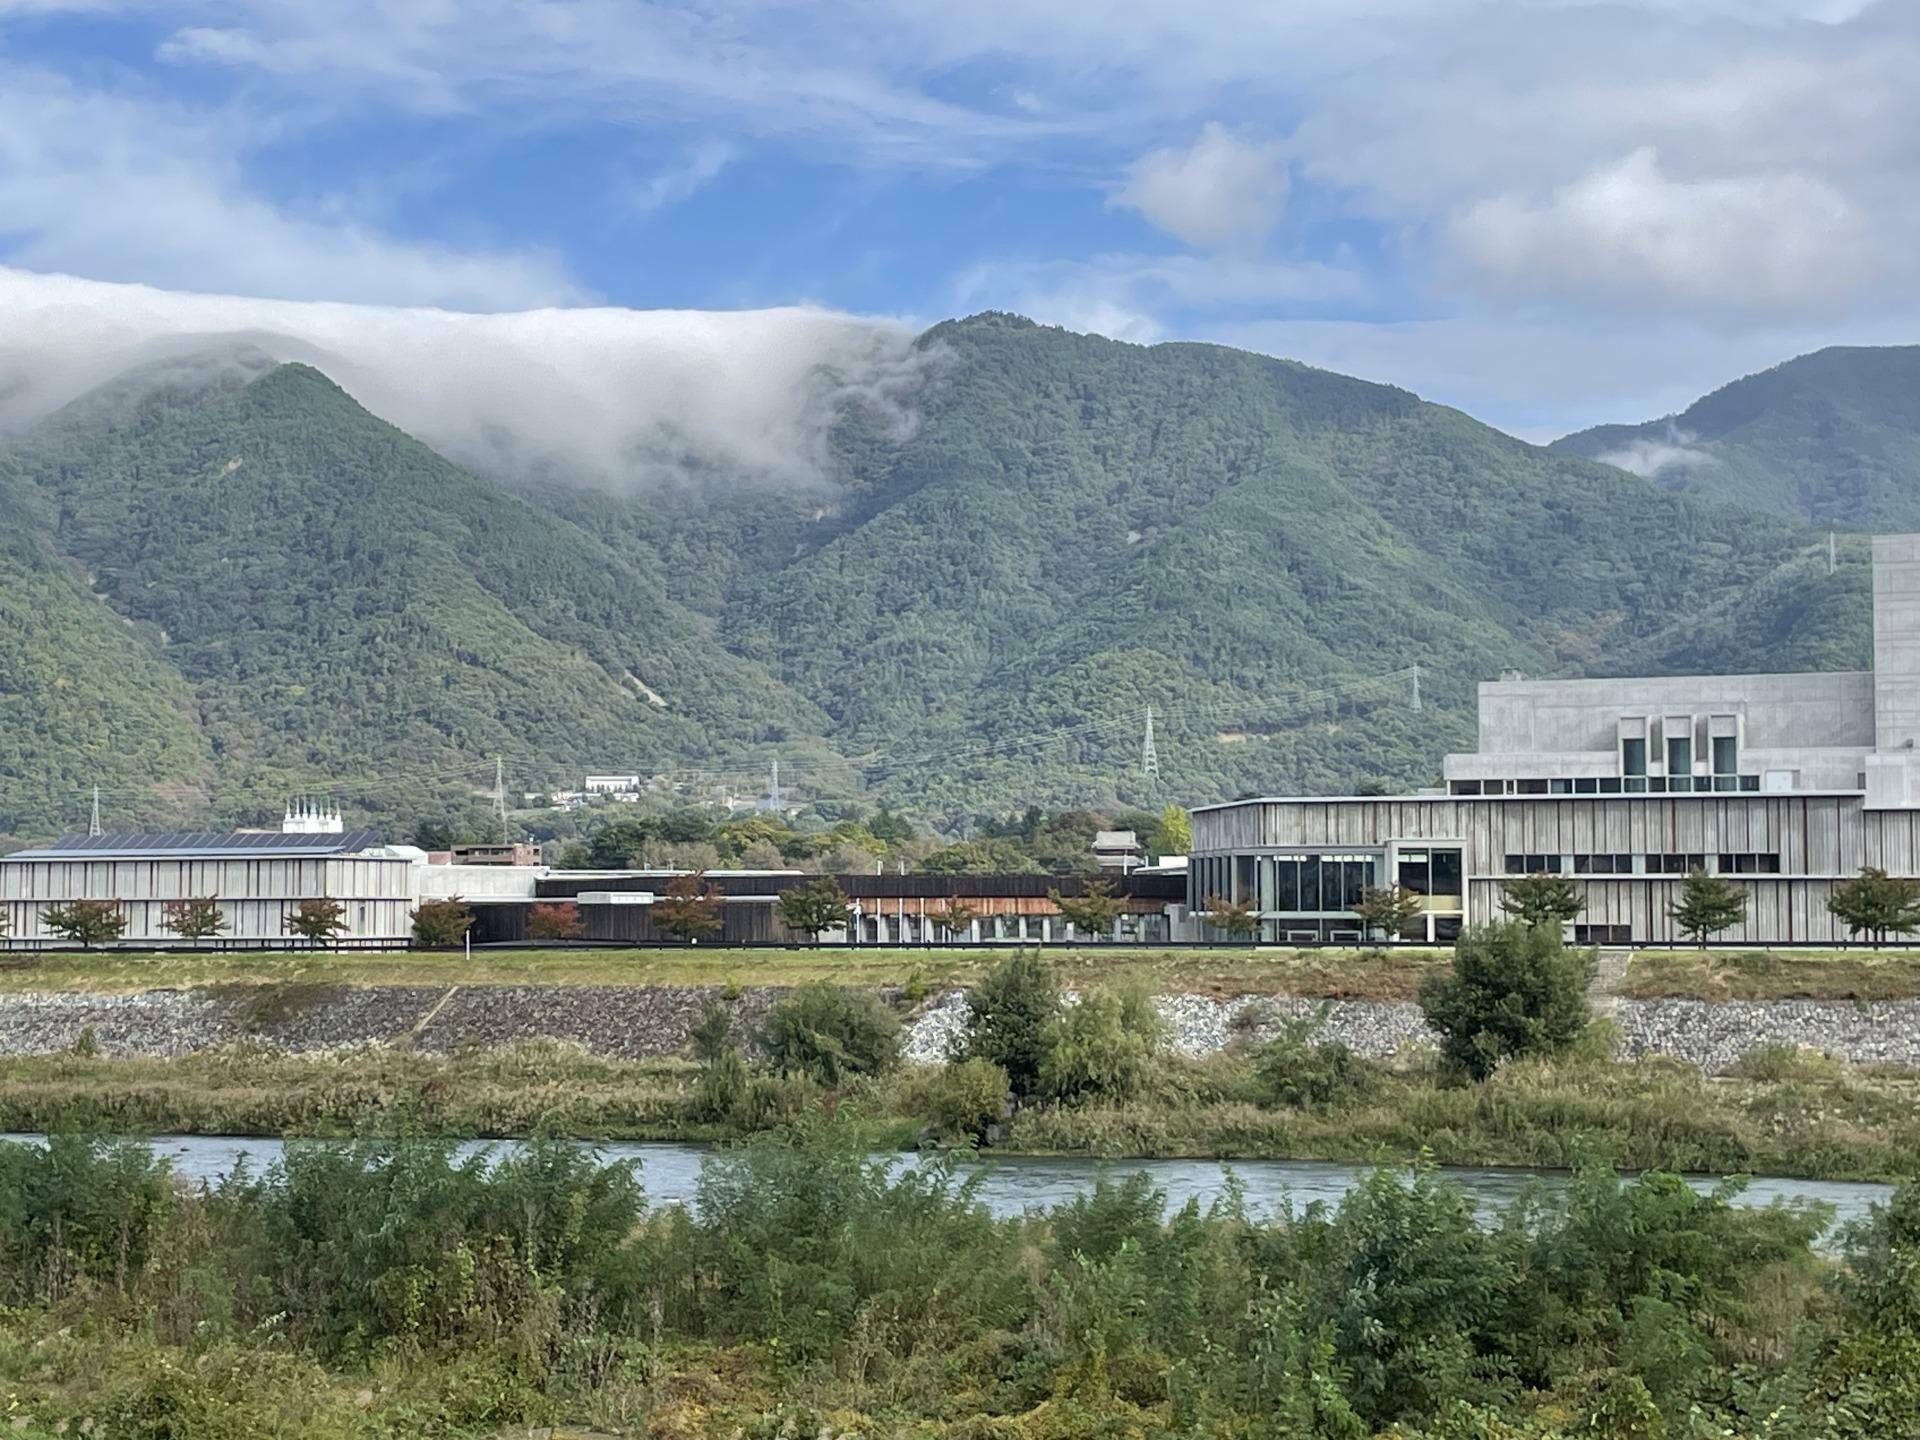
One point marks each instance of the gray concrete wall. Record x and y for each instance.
(1781, 712)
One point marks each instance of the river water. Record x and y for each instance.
(1017, 1183)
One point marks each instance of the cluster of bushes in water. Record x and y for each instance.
(399, 1288)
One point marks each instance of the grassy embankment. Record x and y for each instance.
(1794, 1117)
(1774, 975)
(1225, 970)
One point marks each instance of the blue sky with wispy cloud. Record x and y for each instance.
(1545, 212)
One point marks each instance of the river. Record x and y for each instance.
(1017, 1183)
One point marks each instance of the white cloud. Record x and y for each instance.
(122, 186)
(693, 171)
(1630, 234)
(1654, 458)
(609, 394)
(1223, 192)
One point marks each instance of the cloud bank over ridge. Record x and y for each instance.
(609, 395)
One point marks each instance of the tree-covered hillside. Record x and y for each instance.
(1832, 437)
(246, 587)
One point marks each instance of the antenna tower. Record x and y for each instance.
(1149, 755)
(93, 825)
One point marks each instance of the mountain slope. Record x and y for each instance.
(346, 604)
(1080, 528)
(1832, 437)
(286, 592)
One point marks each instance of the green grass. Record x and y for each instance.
(1774, 975)
(1358, 974)
(1827, 1121)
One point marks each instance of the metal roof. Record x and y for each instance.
(201, 845)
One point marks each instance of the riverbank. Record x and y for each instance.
(1796, 1116)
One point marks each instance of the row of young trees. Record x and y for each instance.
(1872, 903)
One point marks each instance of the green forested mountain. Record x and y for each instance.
(1832, 437)
(253, 585)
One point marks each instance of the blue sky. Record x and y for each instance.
(1547, 213)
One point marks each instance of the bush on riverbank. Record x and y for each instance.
(390, 1289)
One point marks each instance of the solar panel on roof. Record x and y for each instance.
(214, 844)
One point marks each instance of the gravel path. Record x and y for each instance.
(640, 1022)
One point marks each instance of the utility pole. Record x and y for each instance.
(1149, 755)
(93, 825)
(500, 797)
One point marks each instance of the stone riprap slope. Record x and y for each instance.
(640, 1022)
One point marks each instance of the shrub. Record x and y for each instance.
(1010, 1010)
(1782, 1061)
(1103, 1048)
(1514, 989)
(442, 922)
(962, 1098)
(1293, 1069)
(832, 1035)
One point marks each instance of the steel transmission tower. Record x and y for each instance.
(500, 798)
(93, 825)
(1149, 754)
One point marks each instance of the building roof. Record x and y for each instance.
(1115, 840)
(201, 844)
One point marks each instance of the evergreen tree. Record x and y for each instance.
(440, 923)
(1541, 900)
(1513, 989)
(1877, 904)
(1707, 905)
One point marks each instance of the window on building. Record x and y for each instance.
(1749, 782)
(1725, 753)
(1464, 787)
(1633, 756)
(1586, 785)
(1310, 883)
(1679, 758)
(1286, 883)
(1611, 785)
(1447, 874)
(1559, 787)
(1530, 787)
(1416, 872)
(1533, 865)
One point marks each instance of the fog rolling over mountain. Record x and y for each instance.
(1832, 437)
(242, 587)
(616, 397)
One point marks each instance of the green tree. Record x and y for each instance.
(1008, 1014)
(831, 1035)
(991, 856)
(1877, 904)
(440, 923)
(433, 835)
(954, 917)
(1094, 910)
(1388, 908)
(1236, 917)
(1173, 835)
(559, 920)
(1707, 904)
(690, 908)
(194, 919)
(86, 922)
(317, 921)
(1513, 989)
(1102, 1048)
(1541, 900)
(815, 907)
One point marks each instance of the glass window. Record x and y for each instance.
(1560, 787)
(1243, 877)
(1466, 787)
(1583, 864)
(1310, 882)
(1633, 756)
(1611, 785)
(1446, 872)
(1679, 756)
(1725, 748)
(1749, 782)
(1623, 864)
(1531, 787)
(1585, 785)
(1416, 872)
(1286, 889)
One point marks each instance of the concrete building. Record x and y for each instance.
(257, 876)
(1117, 850)
(1789, 784)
